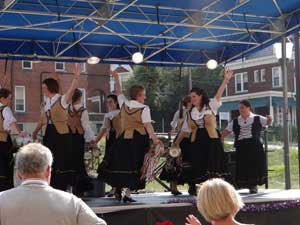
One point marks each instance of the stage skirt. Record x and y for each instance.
(126, 157)
(6, 164)
(205, 159)
(63, 169)
(173, 168)
(103, 167)
(250, 163)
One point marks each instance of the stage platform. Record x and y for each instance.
(267, 207)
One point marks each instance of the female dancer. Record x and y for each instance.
(128, 152)
(172, 171)
(7, 123)
(111, 128)
(78, 121)
(206, 149)
(249, 148)
(56, 132)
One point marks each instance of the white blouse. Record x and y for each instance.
(108, 117)
(246, 125)
(176, 118)
(146, 116)
(85, 123)
(198, 116)
(48, 102)
(8, 118)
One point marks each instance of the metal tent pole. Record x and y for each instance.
(285, 115)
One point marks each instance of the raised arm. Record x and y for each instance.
(227, 76)
(115, 74)
(74, 83)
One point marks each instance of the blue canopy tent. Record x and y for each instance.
(168, 33)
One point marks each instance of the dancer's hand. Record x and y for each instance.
(228, 74)
(34, 135)
(76, 70)
(269, 119)
(156, 141)
(192, 220)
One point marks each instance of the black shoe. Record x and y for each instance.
(192, 190)
(128, 199)
(176, 192)
(118, 194)
(253, 190)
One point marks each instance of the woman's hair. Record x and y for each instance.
(135, 90)
(246, 103)
(4, 93)
(184, 102)
(201, 92)
(52, 85)
(218, 199)
(76, 95)
(114, 98)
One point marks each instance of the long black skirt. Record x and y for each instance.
(173, 169)
(126, 157)
(206, 159)
(63, 169)
(6, 164)
(251, 166)
(103, 167)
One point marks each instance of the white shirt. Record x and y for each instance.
(198, 116)
(85, 123)
(108, 117)
(176, 118)
(8, 118)
(35, 202)
(246, 125)
(48, 102)
(132, 104)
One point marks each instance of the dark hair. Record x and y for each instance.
(52, 85)
(184, 101)
(201, 92)
(4, 93)
(246, 103)
(135, 90)
(114, 98)
(76, 95)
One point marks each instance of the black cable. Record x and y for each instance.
(157, 14)
(58, 10)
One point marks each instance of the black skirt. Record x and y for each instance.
(251, 166)
(126, 157)
(103, 167)
(63, 169)
(6, 164)
(205, 159)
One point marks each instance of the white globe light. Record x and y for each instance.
(212, 64)
(137, 58)
(93, 60)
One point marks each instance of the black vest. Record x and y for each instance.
(255, 130)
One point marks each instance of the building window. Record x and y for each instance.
(59, 66)
(259, 75)
(19, 98)
(26, 65)
(83, 99)
(83, 67)
(276, 77)
(241, 82)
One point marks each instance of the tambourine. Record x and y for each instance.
(174, 152)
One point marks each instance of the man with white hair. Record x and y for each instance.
(34, 201)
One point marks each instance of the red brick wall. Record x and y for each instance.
(95, 78)
(261, 86)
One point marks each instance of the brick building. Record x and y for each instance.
(24, 79)
(259, 79)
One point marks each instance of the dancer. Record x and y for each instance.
(78, 121)
(7, 124)
(172, 171)
(111, 129)
(206, 149)
(127, 153)
(249, 149)
(56, 132)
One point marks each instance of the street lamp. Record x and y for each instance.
(283, 51)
